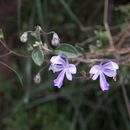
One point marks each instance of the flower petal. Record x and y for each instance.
(59, 80)
(56, 68)
(72, 68)
(94, 69)
(57, 60)
(68, 74)
(95, 76)
(111, 65)
(115, 65)
(110, 73)
(103, 83)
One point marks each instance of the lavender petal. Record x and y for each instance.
(110, 73)
(59, 80)
(94, 69)
(57, 60)
(111, 65)
(68, 74)
(72, 68)
(56, 68)
(103, 82)
(95, 76)
(115, 65)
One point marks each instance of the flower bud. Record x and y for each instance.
(37, 78)
(38, 28)
(55, 40)
(24, 37)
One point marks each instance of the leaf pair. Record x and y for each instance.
(65, 49)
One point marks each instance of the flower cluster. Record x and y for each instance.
(59, 64)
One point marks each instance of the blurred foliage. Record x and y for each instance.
(1, 34)
(79, 105)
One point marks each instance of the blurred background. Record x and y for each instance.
(79, 105)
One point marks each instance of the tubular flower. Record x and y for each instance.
(109, 69)
(62, 66)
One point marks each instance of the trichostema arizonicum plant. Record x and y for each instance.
(61, 55)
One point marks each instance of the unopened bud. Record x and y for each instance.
(38, 28)
(55, 40)
(24, 37)
(37, 78)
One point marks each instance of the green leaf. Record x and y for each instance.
(101, 34)
(36, 35)
(68, 50)
(38, 56)
(80, 50)
(29, 47)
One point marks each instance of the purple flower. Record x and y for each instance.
(56, 60)
(108, 69)
(61, 65)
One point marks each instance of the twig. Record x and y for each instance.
(72, 15)
(91, 39)
(106, 25)
(84, 60)
(11, 51)
(6, 54)
(13, 71)
(125, 95)
(123, 38)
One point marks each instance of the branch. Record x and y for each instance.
(125, 95)
(106, 25)
(11, 51)
(2, 63)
